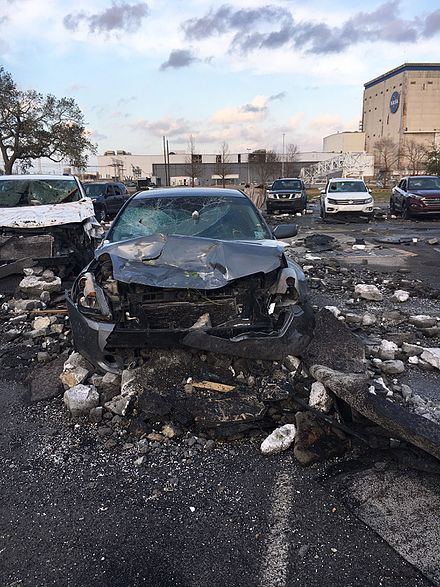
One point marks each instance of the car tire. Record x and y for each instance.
(101, 215)
(406, 213)
(392, 207)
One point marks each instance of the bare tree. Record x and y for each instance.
(414, 154)
(223, 165)
(266, 164)
(291, 158)
(433, 160)
(386, 153)
(193, 161)
(33, 126)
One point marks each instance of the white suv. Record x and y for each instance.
(346, 196)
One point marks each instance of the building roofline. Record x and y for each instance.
(401, 69)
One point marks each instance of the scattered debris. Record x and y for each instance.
(368, 292)
(280, 439)
(81, 399)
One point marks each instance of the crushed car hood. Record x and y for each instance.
(190, 262)
(47, 215)
(428, 194)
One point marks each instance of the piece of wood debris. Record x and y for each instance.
(212, 386)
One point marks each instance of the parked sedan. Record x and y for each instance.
(346, 196)
(190, 267)
(416, 195)
(108, 197)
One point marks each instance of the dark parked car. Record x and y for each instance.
(190, 267)
(286, 194)
(416, 195)
(108, 197)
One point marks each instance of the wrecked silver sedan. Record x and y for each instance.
(195, 268)
(45, 219)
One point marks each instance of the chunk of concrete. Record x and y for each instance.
(279, 440)
(319, 398)
(422, 321)
(392, 367)
(400, 295)
(75, 371)
(119, 405)
(35, 285)
(81, 399)
(432, 356)
(368, 292)
(387, 350)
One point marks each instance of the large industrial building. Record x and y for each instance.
(403, 105)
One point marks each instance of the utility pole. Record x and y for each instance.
(168, 164)
(282, 160)
(164, 158)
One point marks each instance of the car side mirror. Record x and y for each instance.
(285, 231)
(322, 192)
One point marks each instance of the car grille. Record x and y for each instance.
(432, 202)
(283, 196)
(348, 202)
(182, 315)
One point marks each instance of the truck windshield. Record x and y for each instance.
(210, 217)
(286, 184)
(37, 192)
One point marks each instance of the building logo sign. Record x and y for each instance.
(394, 102)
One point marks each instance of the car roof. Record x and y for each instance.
(283, 178)
(346, 179)
(101, 181)
(419, 176)
(34, 177)
(182, 192)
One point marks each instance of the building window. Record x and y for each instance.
(196, 158)
(413, 83)
(239, 158)
(218, 158)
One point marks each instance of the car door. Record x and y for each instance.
(110, 199)
(402, 189)
(119, 198)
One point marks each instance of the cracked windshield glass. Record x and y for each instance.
(217, 218)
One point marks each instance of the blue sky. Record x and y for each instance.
(244, 72)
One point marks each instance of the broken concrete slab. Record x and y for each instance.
(399, 421)
(422, 321)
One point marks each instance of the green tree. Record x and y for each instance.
(33, 125)
(433, 160)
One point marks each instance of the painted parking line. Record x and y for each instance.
(275, 561)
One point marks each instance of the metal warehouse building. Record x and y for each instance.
(403, 104)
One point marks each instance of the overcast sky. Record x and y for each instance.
(245, 72)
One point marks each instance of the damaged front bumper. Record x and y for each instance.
(105, 344)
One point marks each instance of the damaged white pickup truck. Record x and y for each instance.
(46, 219)
(190, 267)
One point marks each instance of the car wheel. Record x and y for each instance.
(392, 207)
(406, 213)
(101, 215)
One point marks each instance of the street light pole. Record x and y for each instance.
(282, 160)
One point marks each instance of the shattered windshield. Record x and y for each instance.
(210, 217)
(424, 183)
(286, 184)
(37, 192)
(347, 186)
